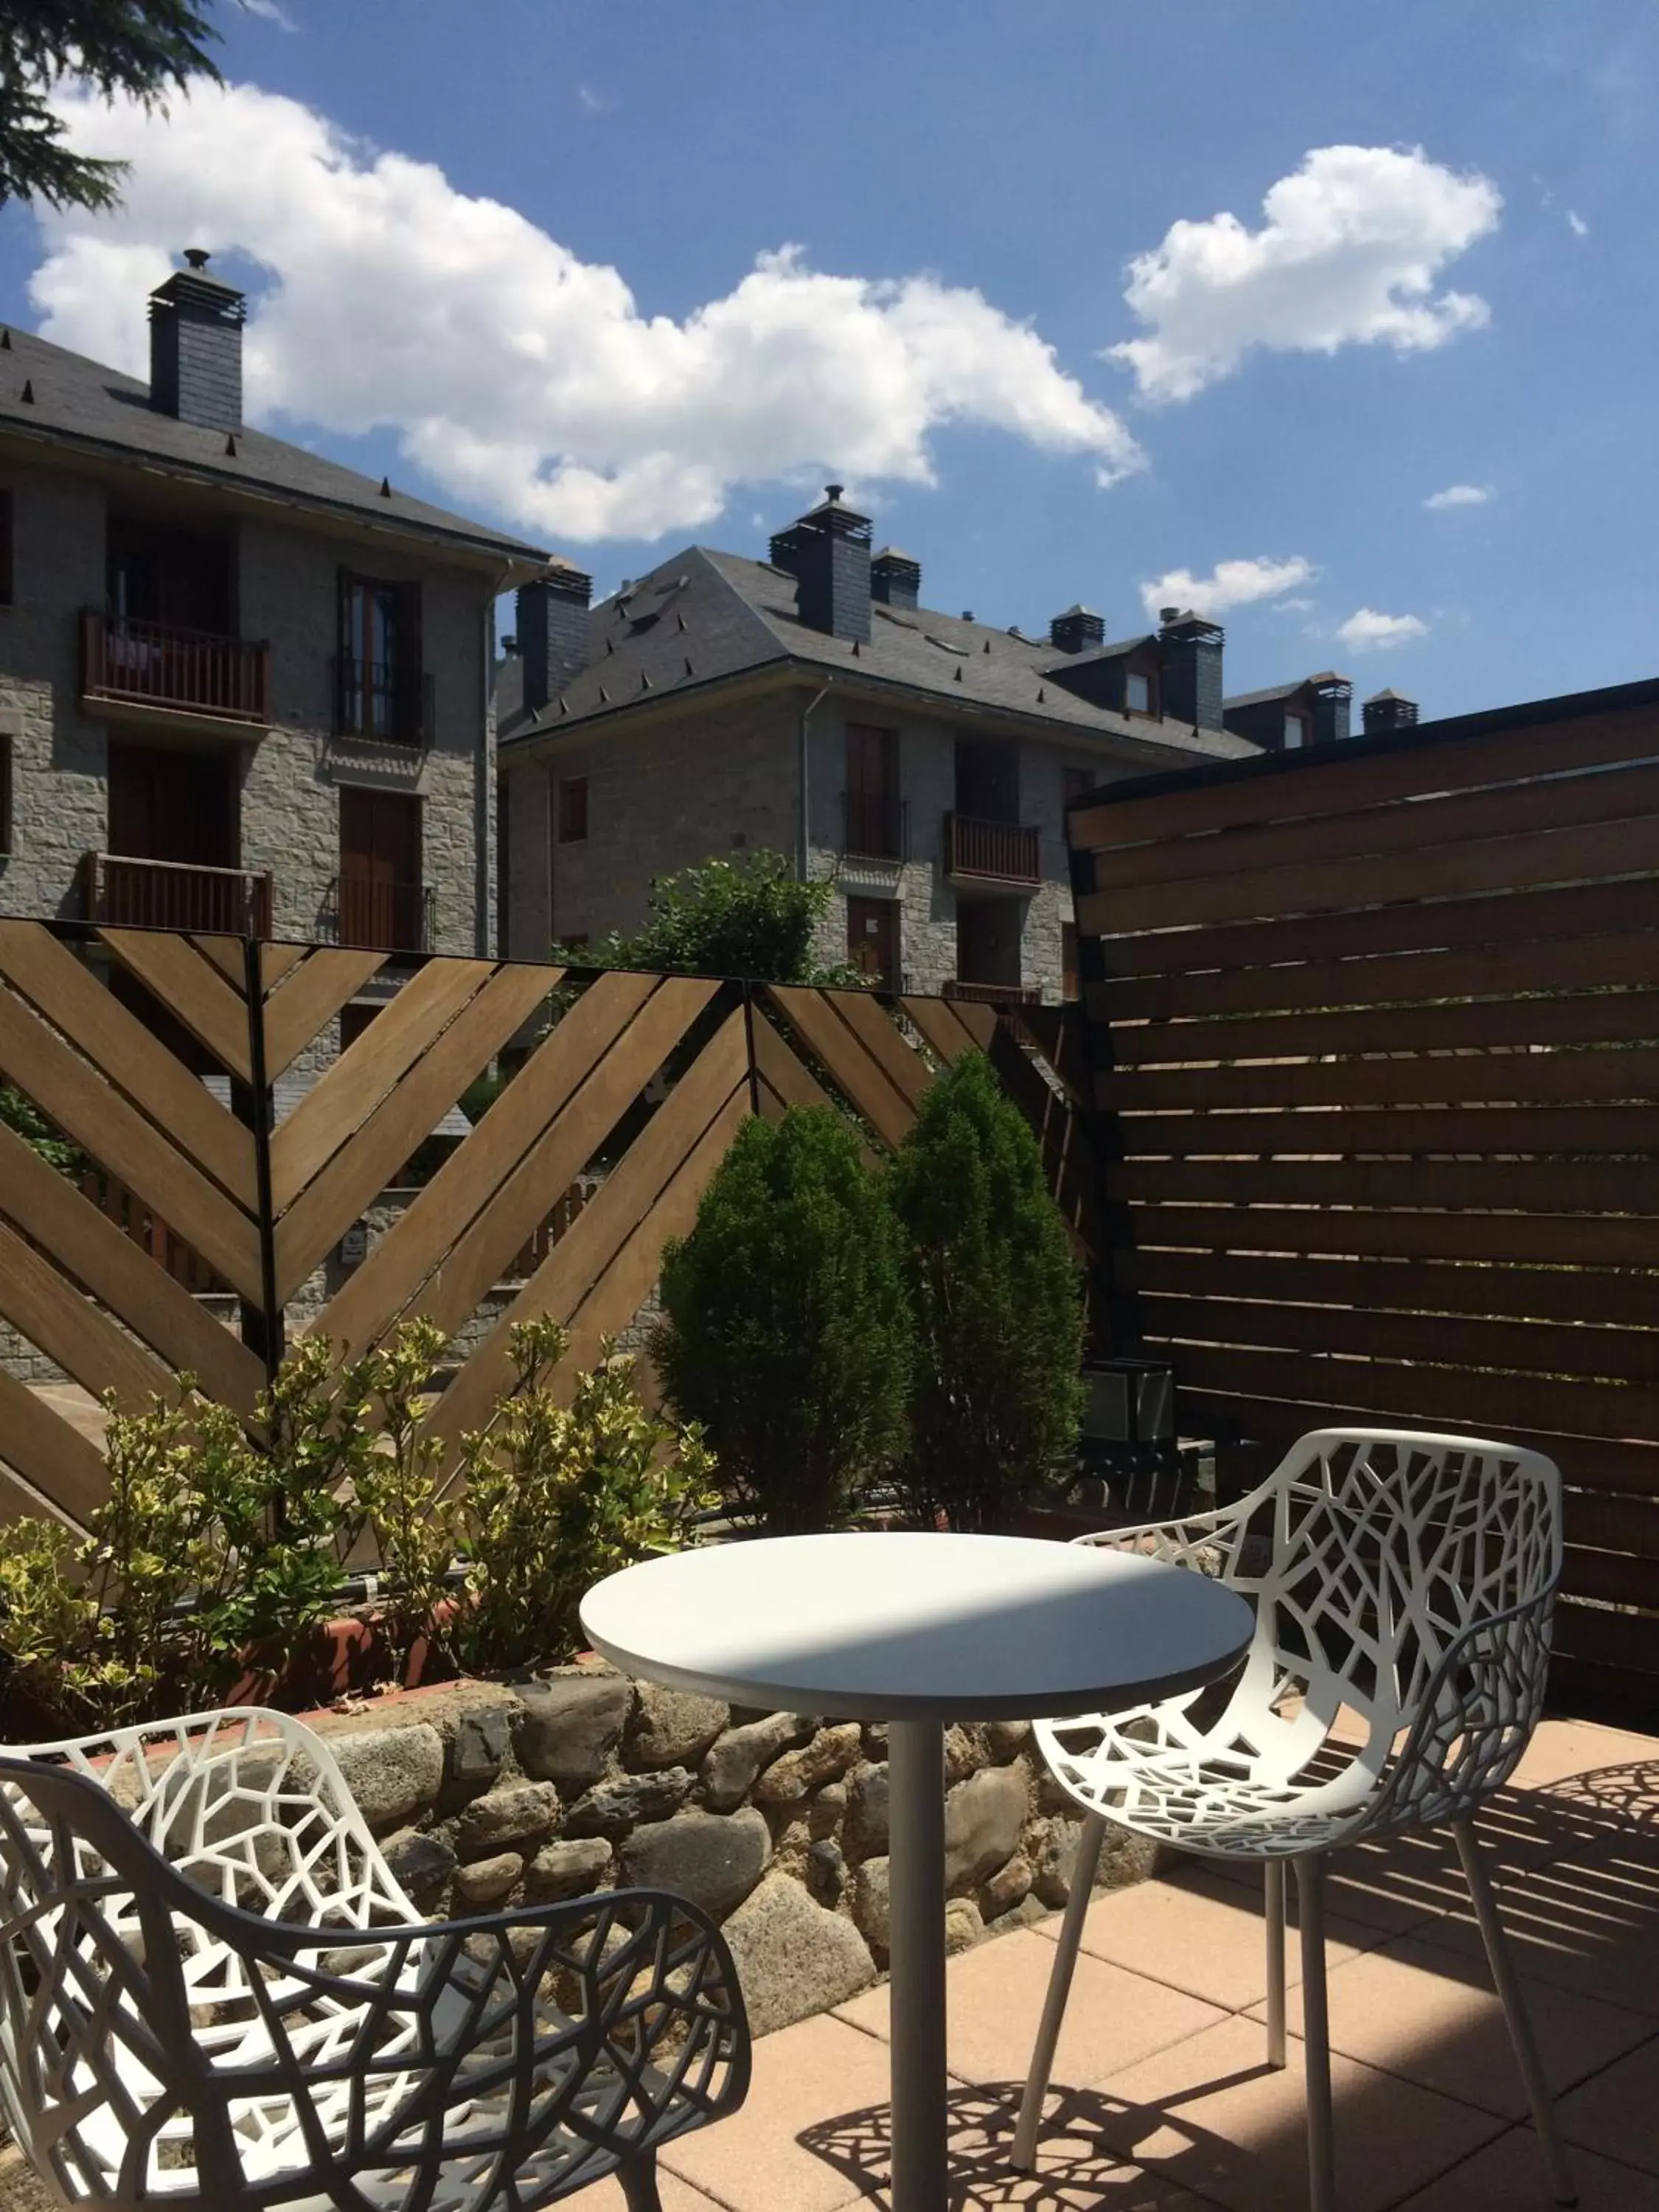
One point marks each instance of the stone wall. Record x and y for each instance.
(488, 1796)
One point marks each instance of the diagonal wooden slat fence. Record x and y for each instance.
(1375, 1034)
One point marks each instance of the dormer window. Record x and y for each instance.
(1137, 692)
(1296, 731)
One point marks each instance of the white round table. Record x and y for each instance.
(917, 1630)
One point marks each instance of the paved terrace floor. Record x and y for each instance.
(1162, 2101)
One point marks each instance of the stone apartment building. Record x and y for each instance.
(811, 704)
(240, 687)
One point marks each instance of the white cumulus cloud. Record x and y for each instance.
(520, 378)
(1459, 495)
(1577, 224)
(1229, 584)
(1348, 254)
(1367, 631)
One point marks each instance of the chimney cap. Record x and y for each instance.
(1078, 609)
(197, 257)
(898, 553)
(1391, 693)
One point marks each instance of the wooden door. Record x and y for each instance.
(873, 938)
(382, 900)
(873, 824)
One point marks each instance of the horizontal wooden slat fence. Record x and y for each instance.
(559, 1201)
(1375, 1038)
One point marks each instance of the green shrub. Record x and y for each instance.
(787, 1333)
(25, 1119)
(751, 917)
(997, 1397)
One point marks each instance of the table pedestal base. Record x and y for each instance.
(916, 1871)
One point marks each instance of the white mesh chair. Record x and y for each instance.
(214, 1993)
(1403, 1583)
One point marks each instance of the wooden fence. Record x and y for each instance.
(634, 1092)
(1378, 1033)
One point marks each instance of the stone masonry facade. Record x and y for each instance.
(487, 1796)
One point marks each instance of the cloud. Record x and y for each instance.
(587, 98)
(1367, 631)
(273, 11)
(1230, 584)
(521, 378)
(1577, 224)
(1459, 495)
(1348, 255)
(1292, 607)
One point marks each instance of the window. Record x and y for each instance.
(874, 824)
(572, 810)
(1075, 782)
(1296, 731)
(1137, 692)
(382, 689)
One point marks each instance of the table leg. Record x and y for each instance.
(916, 1955)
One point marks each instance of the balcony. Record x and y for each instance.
(981, 851)
(383, 702)
(379, 916)
(874, 826)
(162, 674)
(991, 995)
(124, 892)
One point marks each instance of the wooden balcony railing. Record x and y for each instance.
(182, 671)
(383, 700)
(125, 892)
(381, 916)
(1000, 852)
(874, 826)
(991, 995)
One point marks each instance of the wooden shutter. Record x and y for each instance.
(409, 671)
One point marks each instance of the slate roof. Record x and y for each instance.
(704, 618)
(1263, 698)
(82, 403)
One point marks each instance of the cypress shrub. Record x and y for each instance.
(997, 1398)
(786, 1332)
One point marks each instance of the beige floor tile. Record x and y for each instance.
(677, 2196)
(1430, 2014)
(1511, 2176)
(1211, 2115)
(1202, 1934)
(996, 1994)
(1562, 1749)
(756, 2162)
(1617, 2113)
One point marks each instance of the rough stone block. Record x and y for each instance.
(714, 1858)
(573, 1867)
(737, 1757)
(484, 1882)
(612, 1808)
(864, 1831)
(793, 1958)
(871, 1902)
(509, 1815)
(672, 1727)
(422, 1863)
(481, 1744)
(962, 1926)
(1005, 1739)
(828, 1757)
(392, 1773)
(983, 1818)
(569, 1725)
(1007, 1887)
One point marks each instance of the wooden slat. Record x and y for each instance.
(1612, 849)
(1576, 963)
(980, 1020)
(335, 1108)
(307, 996)
(1618, 1017)
(863, 1080)
(903, 1067)
(228, 957)
(1611, 1576)
(62, 1322)
(791, 1082)
(48, 1453)
(277, 960)
(190, 989)
(1508, 918)
(71, 1094)
(1299, 790)
(600, 1230)
(1407, 1397)
(1556, 803)
(1528, 1347)
(1628, 1300)
(1426, 1079)
(1542, 1130)
(362, 1169)
(48, 1208)
(95, 1021)
(1598, 1186)
(1554, 1241)
(936, 1019)
(1614, 1524)
(1627, 1643)
(480, 1174)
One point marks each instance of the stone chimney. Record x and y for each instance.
(1387, 711)
(894, 578)
(828, 554)
(1191, 688)
(196, 347)
(1080, 630)
(552, 636)
(1332, 703)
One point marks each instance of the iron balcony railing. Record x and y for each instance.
(874, 826)
(126, 892)
(991, 995)
(383, 700)
(1000, 852)
(184, 671)
(381, 916)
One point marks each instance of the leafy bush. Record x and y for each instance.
(997, 1398)
(786, 1333)
(750, 918)
(24, 1118)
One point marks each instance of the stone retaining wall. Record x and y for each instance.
(490, 1794)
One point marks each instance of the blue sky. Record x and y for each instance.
(1464, 299)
